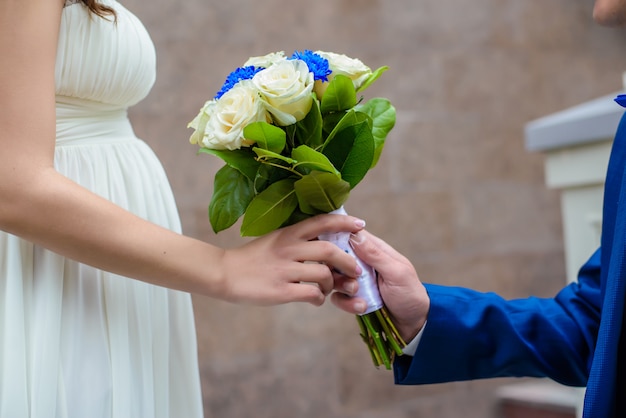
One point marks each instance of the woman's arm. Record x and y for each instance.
(42, 206)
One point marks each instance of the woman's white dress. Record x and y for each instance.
(76, 341)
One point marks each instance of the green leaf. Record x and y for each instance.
(242, 160)
(309, 130)
(307, 157)
(266, 136)
(321, 192)
(330, 122)
(351, 151)
(373, 77)
(290, 131)
(267, 175)
(339, 95)
(296, 216)
(270, 209)
(265, 154)
(232, 192)
(349, 118)
(383, 116)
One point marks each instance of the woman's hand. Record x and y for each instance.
(289, 264)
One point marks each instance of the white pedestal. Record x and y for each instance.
(578, 172)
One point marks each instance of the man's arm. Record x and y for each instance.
(473, 335)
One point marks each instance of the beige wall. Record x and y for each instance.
(455, 189)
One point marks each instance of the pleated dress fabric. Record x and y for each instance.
(77, 342)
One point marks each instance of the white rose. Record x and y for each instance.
(198, 124)
(342, 64)
(220, 123)
(286, 89)
(265, 60)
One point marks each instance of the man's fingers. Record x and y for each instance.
(380, 255)
(367, 249)
(368, 245)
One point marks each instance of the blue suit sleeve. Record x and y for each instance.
(473, 335)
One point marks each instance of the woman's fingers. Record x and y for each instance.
(315, 226)
(345, 284)
(347, 303)
(290, 264)
(325, 253)
(304, 292)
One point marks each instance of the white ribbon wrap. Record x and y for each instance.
(368, 285)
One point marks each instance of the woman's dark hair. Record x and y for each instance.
(99, 9)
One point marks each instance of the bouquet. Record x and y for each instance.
(296, 137)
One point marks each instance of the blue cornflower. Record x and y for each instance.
(317, 64)
(241, 73)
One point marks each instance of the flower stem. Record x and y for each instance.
(391, 338)
(394, 331)
(370, 321)
(364, 336)
(381, 337)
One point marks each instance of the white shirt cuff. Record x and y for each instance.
(411, 347)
